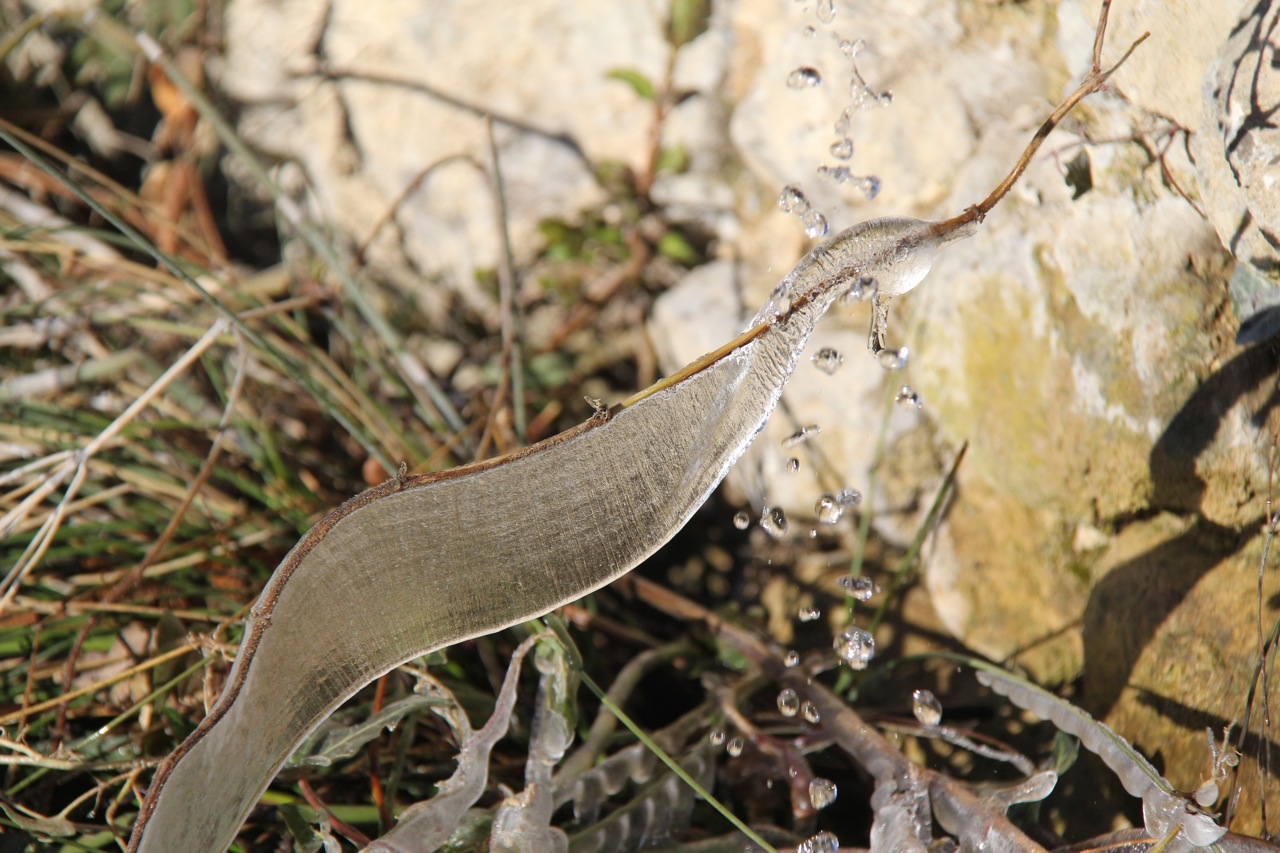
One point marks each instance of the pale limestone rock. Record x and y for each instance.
(367, 101)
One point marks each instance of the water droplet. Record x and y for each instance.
(716, 737)
(788, 703)
(861, 588)
(885, 98)
(1207, 794)
(792, 200)
(827, 360)
(893, 359)
(742, 520)
(870, 187)
(809, 32)
(792, 658)
(774, 521)
(735, 747)
(800, 436)
(826, 11)
(848, 498)
(804, 78)
(855, 647)
(815, 224)
(861, 290)
(811, 713)
(808, 614)
(926, 707)
(908, 399)
(822, 793)
(852, 47)
(828, 509)
(792, 465)
(835, 174)
(823, 842)
(842, 149)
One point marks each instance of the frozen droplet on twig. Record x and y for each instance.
(855, 647)
(926, 707)
(893, 359)
(835, 174)
(842, 149)
(792, 200)
(788, 703)
(815, 224)
(823, 842)
(774, 521)
(908, 399)
(822, 793)
(804, 78)
(800, 436)
(828, 509)
(848, 498)
(861, 588)
(827, 360)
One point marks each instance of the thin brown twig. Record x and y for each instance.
(1093, 82)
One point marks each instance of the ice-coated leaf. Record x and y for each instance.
(342, 742)
(1162, 807)
(425, 826)
(423, 562)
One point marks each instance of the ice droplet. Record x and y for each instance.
(842, 149)
(788, 703)
(809, 32)
(908, 399)
(926, 707)
(735, 747)
(809, 614)
(741, 520)
(855, 647)
(792, 465)
(870, 187)
(852, 47)
(861, 588)
(826, 11)
(828, 509)
(800, 436)
(716, 737)
(861, 290)
(823, 842)
(835, 174)
(1207, 794)
(810, 712)
(822, 793)
(885, 98)
(792, 658)
(804, 78)
(774, 521)
(848, 498)
(827, 360)
(893, 359)
(815, 224)
(792, 200)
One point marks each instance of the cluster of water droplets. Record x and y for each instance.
(830, 507)
(793, 200)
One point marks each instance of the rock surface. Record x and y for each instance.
(1082, 342)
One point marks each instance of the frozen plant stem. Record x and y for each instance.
(1094, 81)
